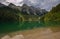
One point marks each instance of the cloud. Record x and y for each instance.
(45, 4)
(49, 4)
(14, 1)
(2, 0)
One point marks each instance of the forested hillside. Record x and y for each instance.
(13, 12)
(8, 14)
(53, 15)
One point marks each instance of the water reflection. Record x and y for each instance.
(6, 27)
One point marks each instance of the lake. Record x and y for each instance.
(6, 27)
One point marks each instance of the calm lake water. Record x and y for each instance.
(6, 27)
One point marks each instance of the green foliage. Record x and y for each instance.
(53, 15)
(8, 14)
(56, 9)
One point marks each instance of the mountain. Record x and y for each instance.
(8, 14)
(12, 5)
(28, 10)
(56, 9)
(53, 15)
(18, 8)
(1, 5)
(11, 12)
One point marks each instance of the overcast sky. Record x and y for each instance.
(45, 4)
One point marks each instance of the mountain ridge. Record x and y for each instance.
(28, 9)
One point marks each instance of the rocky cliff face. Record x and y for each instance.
(29, 10)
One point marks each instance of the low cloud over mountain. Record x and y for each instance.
(45, 4)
